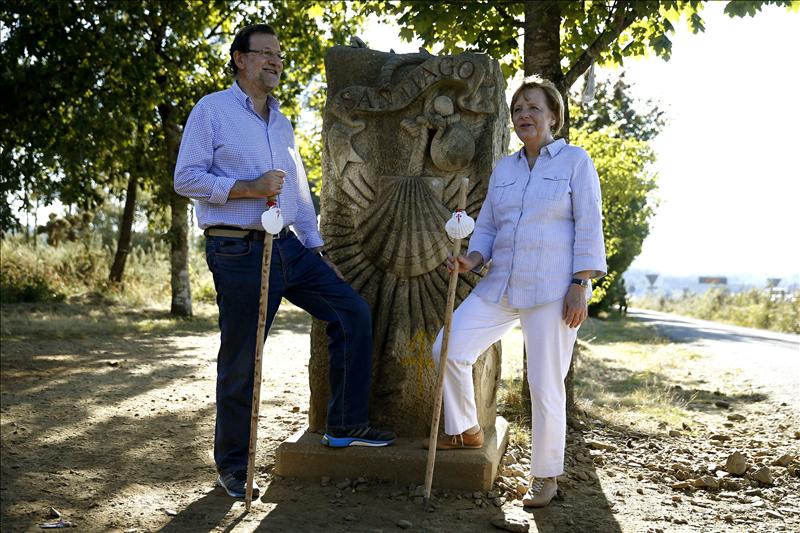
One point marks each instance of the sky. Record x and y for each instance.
(729, 181)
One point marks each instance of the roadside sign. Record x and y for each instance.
(711, 280)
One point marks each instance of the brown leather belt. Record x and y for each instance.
(233, 232)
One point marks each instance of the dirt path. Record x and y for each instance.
(768, 361)
(116, 433)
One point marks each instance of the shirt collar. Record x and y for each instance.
(552, 149)
(243, 99)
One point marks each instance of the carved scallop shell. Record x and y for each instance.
(460, 225)
(272, 220)
(402, 231)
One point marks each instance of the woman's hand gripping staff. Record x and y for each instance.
(458, 227)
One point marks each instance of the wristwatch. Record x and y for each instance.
(586, 283)
(323, 253)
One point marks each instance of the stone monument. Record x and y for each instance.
(399, 131)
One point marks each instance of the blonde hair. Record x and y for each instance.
(553, 97)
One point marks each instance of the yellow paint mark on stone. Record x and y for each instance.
(419, 357)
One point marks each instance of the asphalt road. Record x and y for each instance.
(769, 360)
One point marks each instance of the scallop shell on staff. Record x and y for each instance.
(460, 225)
(272, 220)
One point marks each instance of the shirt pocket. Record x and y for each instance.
(503, 188)
(553, 186)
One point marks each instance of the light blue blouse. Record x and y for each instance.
(539, 227)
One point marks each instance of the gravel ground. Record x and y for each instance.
(115, 434)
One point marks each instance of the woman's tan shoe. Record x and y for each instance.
(541, 491)
(464, 441)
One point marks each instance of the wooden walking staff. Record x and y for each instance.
(458, 227)
(272, 221)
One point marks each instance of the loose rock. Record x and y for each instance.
(736, 464)
(706, 482)
(516, 524)
(404, 524)
(595, 445)
(763, 475)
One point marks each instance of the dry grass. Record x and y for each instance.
(626, 374)
(102, 319)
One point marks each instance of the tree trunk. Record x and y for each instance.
(542, 55)
(179, 224)
(179, 256)
(125, 231)
(542, 45)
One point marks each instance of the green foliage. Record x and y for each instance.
(494, 27)
(613, 109)
(479, 26)
(617, 133)
(741, 8)
(98, 119)
(627, 185)
(135, 71)
(603, 32)
(754, 308)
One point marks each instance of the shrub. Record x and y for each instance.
(45, 273)
(754, 308)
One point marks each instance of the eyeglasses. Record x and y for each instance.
(267, 54)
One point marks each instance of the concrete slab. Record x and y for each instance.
(404, 462)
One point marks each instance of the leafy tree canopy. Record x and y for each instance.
(590, 31)
(91, 82)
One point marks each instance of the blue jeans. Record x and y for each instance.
(301, 277)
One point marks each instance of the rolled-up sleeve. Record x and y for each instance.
(589, 252)
(193, 177)
(482, 240)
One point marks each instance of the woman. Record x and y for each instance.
(541, 227)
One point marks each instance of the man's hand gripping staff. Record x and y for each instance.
(272, 221)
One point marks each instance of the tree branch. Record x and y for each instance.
(505, 15)
(222, 19)
(619, 23)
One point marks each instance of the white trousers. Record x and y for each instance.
(476, 325)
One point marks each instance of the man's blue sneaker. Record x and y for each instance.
(363, 436)
(235, 483)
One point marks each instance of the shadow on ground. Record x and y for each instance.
(99, 406)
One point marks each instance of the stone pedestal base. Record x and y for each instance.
(404, 462)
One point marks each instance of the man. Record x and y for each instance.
(237, 151)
